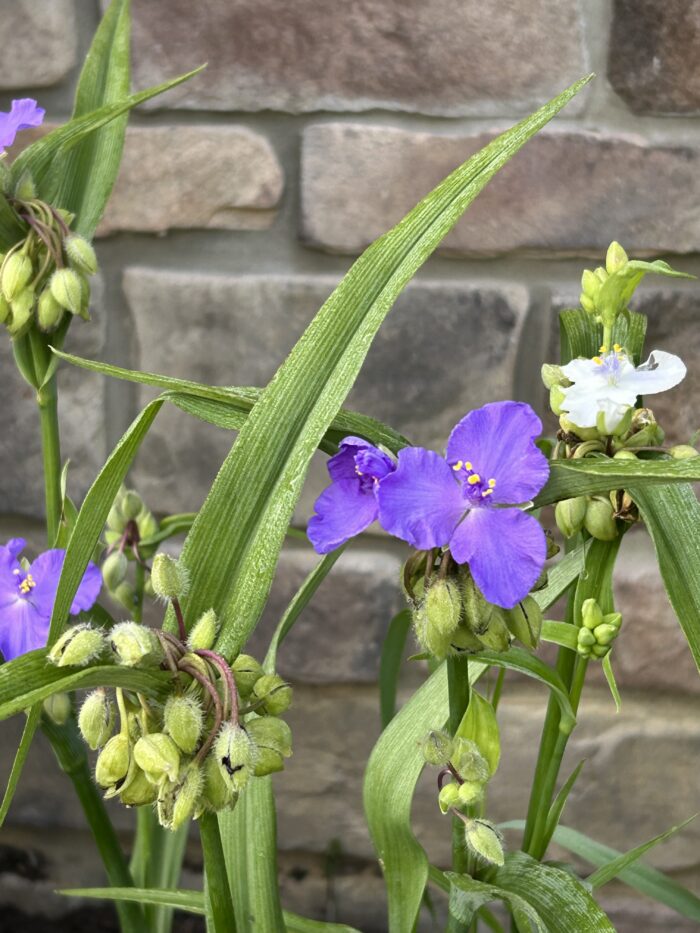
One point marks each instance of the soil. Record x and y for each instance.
(85, 920)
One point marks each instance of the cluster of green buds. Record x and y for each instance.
(601, 288)
(45, 275)
(130, 526)
(451, 615)
(196, 749)
(462, 780)
(598, 631)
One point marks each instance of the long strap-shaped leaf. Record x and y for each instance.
(253, 496)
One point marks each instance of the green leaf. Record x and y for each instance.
(467, 896)
(30, 678)
(581, 336)
(559, 802)
(560, 633)
(12, 229)
(561, 900)
(90, 169)
(617, 290)
(392, 772)
(672, 517)
(297, 924)
(45, 158)
(616, 866)
(393, 650)
(560, 577)
(612, 683)
(480, 724)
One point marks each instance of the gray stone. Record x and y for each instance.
(40, 42)
(199, 176)
(639, 914)
(435, 58)
(243, 326)
(565, 193)
(81, 416)
(653, 51)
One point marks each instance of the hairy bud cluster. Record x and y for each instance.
(130, 525)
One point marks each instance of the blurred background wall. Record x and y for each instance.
(245, 195)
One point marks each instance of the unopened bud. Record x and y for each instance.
(115, 519)
(134, 644)
(449, 797)
(77, 647)
(625, 454)
(605, 634)
(147, 523)
(274, 692)
(587, 303)
(591, 614)
(114, 569)
(67, 289)
(58, 708)
(236, 756)
(644, 430)
(524, 622)
(484, 840)
(600, 520)
(272, 738)
(590, 284)
(616, 258)
(557, 397)
(496, 636)
(15, 275)
(183, 720)
(113, 761)
(217, 792)
(158, 756)
(48, 312)
(130, 504)
(477, 612)
(570, 515)
(125, 594)
(428, 637)
(246, 672)
(137, 790)
(204, 631)
(470, 792)
(186, 795)
(468, 761)
(5, 310)
(96, 718)
(81, 254)
(553, 376)
(463, 640)
(585, 434)
(22, 308)
(683, 452)
(443, 606)
(600, 650)
(169, 577)
(437, 748)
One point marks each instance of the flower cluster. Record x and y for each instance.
(130, 527)
(471, 501)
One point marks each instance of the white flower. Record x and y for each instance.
(609, 385)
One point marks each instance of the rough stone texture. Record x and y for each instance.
(222, 177)
(243, 326)
(339, 636)
(642, 915)
(564, 192)
(40, 42)
(81, 415)
(311, 55)
(654, 48)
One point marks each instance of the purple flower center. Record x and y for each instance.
(371, 466)
(25, 583)
(476, 489)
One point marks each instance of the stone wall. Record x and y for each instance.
(244, 196)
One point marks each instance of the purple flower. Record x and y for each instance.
(23, 114)
(349, 504)
(27, 597)
(462, 501)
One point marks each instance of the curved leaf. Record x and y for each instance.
(467, 896)
(390, 664)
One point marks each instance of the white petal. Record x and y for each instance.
(580, 370)
(661, 371)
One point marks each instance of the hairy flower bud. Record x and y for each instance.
(158, 756)
(169, 577)
(496, 636)
(125, 594)
(570, 515)
(113, 761)
(66, 288)
(114, 569)
(468, 761)
(524, 622)
(204, 631)
(77, 646)
(5, 310)
(443, 606)
(137, 790)
(470, 792)
(186, 795)
(553, 375)
(80, 254)
(448, 797)
(15, 274)
(217, 792)
(600, 520)
(130, 504)
(437, 748)
(428, 637)
(275, 693)
(236, 756)
(183, 720)
(134, 644)
(22, 308)
(96, 718)
(246, 672)
(477, 612)
(58, 708)
(484, 840)
(272, 738)
(48, 312)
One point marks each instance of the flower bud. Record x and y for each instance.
(587, 303)
(272, 738)
(553, 376)
(524, 622)
(586, 434)
(137, 790)
(15, 274)
(470, 792)
(125, 594)
(134, 644)
(204, 631)
(158, 756)
(477, 612)
(683, 452)
(130, 504)
(66, 288)
(570, 515)
(443, 606)
(58, 708)
(276, 694)
(81, 254)
(236, 756)
(449, 797)
(496, 637)
(644, 430)
(113, 761)
(217, 793)
(115, 518)
(484, 840)
(625, 454)
(616, 258)
(557, 397)
(428, 637)
(22, 308)
(463, 640)
(437, 748)
(468, 761)
(246, 672)
(5, 310)
(605, 634)
(585, 638)
(147, 523)
(591, 614)
(600, 650)
(614, 619)
(114, 569)
(77, 646)
(48, 312)
(169, 577)
(96, 718)
(186, 795)
(183, 720)
(590, 284)
(600, 521)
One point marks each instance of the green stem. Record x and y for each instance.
(47, 400)
(220, 914)
(459, 692)
(607, 337)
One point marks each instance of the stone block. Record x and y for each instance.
(40, 42)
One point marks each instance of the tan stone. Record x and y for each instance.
(39, 42)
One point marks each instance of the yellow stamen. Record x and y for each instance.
(457, 466)
(474, 479)
(27, 584)
(492, 483)
(597, 360)
(486, 492)
(468, 465)
(617, 347)
(603, 349)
